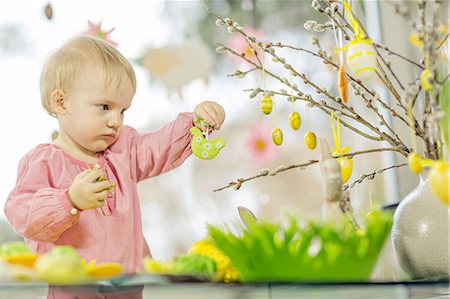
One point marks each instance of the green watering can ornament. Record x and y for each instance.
(202, 147)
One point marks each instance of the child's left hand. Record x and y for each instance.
(212, 113)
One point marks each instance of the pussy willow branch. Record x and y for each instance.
(328, 109)
(395, 141)
(405, 14)
(360, 119)
(383, 77)
(370, 176)
(327, 61)
(386, 78)
(383, 136)
(265, 172)
(347, 26)
(398, 55)
(388, 65)
(442, 42)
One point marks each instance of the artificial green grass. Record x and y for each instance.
(317, 251)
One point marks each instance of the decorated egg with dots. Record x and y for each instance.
(266, 104)
(362, 59)
(277, 136)
(295, 120)
(310, 140)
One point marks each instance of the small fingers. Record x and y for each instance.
(100, 196)
(101, 186)
(207, 114)
(220, 116)
(212, 113)
(94, 175)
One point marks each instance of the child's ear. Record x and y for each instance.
(58, 100)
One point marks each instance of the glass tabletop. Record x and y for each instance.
(166, 286)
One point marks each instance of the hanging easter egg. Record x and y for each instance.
(295, 120)
(439, 181)
(362, 59)
(310, 140)
(346, 163)
(266, 104)
(342, 82)
(346, 168)
(277, 136)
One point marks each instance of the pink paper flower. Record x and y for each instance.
(238, 43)
(259, 143)
(96, 30)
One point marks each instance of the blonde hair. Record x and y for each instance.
(62, 67)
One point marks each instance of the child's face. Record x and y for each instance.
(94, 113)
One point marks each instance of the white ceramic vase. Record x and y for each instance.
(420, 234)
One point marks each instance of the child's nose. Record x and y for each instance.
(115, 120)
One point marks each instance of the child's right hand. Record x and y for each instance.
(88, 193)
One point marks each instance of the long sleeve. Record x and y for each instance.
(154, 153)
(36, 209)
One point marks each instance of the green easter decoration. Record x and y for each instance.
(203, 148)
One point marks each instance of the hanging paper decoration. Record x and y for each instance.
(266, 104)
(346, 163)
(48, 11)
(277, 136)
(178, 65)
(360, 55)
(96, 30)
(342, 76)
(203, 148)
(310, 140)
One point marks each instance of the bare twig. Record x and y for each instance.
(370, 176)
(237, 184)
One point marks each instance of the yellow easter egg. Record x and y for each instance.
(440, 181)
(295, 120)
(415, 162)
(277, 136)
(266, 104)
(346, 168)
(310, 140)
(362, 59)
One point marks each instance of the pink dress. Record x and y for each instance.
(39, 210)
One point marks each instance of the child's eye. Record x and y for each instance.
(103, 107)
(123, 111)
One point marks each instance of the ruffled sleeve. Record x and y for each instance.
(154, 153)
(35, 208)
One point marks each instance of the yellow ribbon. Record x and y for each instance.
(359, 32)
(336, 131)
